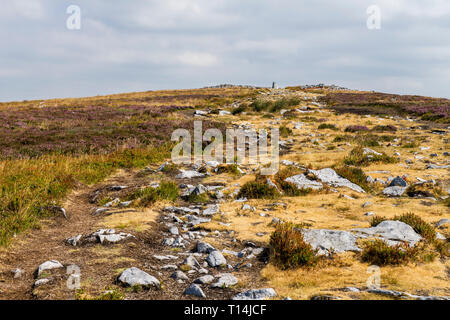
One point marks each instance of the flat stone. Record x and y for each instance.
(302, 182)
(49, 265)
(189, 174)
(225, 280)
(41, 282)
(134, 276)
(330, 177)
(394, 191)
(256, 294)
(328, 241)
(211, 210)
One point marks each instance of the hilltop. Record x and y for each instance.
(89, 182)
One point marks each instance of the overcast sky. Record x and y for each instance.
(139, 45)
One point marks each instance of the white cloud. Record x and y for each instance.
(198, 59)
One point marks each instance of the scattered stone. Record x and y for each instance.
(256, 294)
(216, 259)
(211, 210)
(189, 174)
(442, 222)
(204, 279)
(41, 282)
(179, 275)
(194, 290)
(369, 214)
(204, 247)
(225, 280)
(134, 276)
(394, 191)
(174, 230)
(49, 265)
(192, 262)
(398, 182)
(18, 273)
(366, 204)
(351, 289)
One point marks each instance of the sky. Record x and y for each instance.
(140, 45)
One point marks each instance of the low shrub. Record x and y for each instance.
(285, 131)
(356, 128)
(258, 190)
(385, 128)
(379, 253)
(289, 250)
(355, 175)
(239, 110)
(327, 126)
(358, 158)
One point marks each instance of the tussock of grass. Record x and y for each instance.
(147, 196)
(289, 250)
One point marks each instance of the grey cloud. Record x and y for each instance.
(141, 45)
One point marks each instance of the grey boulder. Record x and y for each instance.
(134, 276)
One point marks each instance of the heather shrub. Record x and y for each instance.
(356, 128)
(355, 175)
(285, 131)
(358, 158)
(327, 126)
(378, 252)
(258, 190)
(289, 250)
(384, 128)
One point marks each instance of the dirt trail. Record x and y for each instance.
(100, 265)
